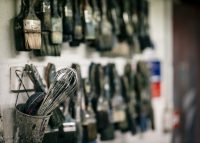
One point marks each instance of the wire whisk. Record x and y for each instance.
(64, 85)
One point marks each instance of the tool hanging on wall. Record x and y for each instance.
(114, 16)
(127, 29)
(144, 36)
(46, 15)
(92, 79)
(129, 87)
(106, 38)
(135, 45)
(96, 16)
(145, 111)
(77, 36)
(18, 27)
(32, 28)
(117, 101)
(78, 101)
(104, 111)
(56, 25)
(67, 20)
(88, 115)
(88, 22)
(44, 10)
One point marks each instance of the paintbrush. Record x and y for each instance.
(77, 35)
(106, 37)
(18, 27)
(32, 28)
(67, 20)
(89, 21)
(56, 25)
(47, 48)
(46, 15)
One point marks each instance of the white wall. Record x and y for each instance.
(160, 22)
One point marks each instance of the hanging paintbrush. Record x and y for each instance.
(88, 115)
(48, 49)
(114, 13)
(46, 15)
(32, 28)
(135, 25)
(106, 36)
(127, 29)
(89, 23)
(96, 20)
(67, 20)
(144, 36)
(56, 25)
(18, 27)
(77, 25)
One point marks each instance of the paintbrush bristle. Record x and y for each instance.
(56, 37)
(78, 32)
(33, 40)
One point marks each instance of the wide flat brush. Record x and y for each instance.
(32, 28)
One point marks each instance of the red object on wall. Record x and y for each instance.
(155, 89)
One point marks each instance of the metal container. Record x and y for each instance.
(31, 128)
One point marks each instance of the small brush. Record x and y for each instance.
(32, 28)
(56, 25)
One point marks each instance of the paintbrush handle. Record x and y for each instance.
(23, 8)
(31, 12)
(104, 8)
(55, 8)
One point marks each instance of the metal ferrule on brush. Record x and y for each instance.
(32, 26)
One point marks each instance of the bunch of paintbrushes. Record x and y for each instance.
(51, 29)
(39, 30)
(43, 25)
